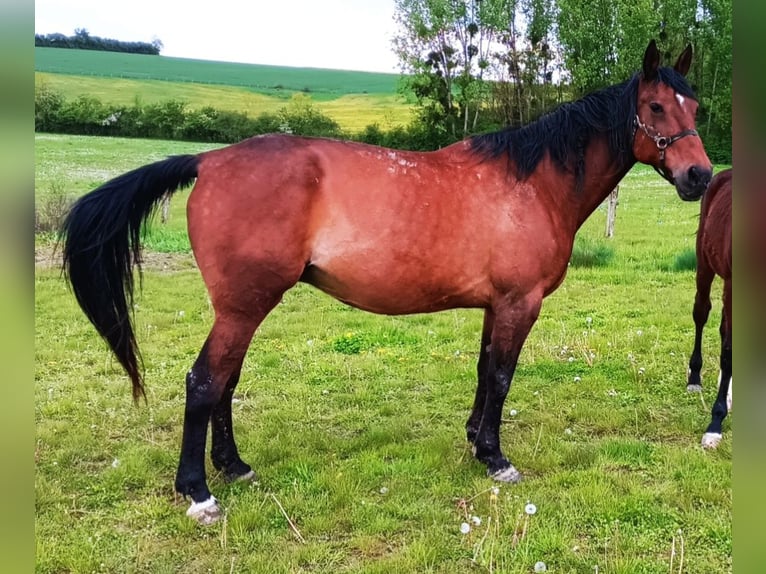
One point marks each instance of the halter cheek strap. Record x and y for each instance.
(662, 143)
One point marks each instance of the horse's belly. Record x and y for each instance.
(395, 291)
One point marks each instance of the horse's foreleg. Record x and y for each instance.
(223, 452)
(472, 426)
(720, 409)
(513, 321)
(700, 314)
(206, 385)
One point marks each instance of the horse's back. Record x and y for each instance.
(715, 225)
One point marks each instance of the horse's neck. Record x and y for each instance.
(602, 174)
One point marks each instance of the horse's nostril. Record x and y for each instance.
(699, 176)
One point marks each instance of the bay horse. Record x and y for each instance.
(714, 258)
(488, 222)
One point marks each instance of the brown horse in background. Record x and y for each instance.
(486, 223)
(714, 258)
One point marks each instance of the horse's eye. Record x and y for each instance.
(655, 107)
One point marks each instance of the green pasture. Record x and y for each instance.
(353, 99)
(253, 76)
(355, 422)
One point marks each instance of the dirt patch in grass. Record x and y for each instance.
(47, 257)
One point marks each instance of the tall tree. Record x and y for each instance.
(444, 47)
(603, 40)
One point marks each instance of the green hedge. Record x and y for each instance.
(173, 120)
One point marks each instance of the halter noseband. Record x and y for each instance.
(662, 143)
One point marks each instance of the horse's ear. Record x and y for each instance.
(684, 61)
(651, 61)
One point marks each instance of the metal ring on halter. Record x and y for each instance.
(662, 143)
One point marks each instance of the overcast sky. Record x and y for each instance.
(343, 34)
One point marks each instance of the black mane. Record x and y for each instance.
(566, 131)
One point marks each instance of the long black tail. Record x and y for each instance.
(101, 238)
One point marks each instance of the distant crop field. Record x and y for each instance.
(260, 78)
(353, 99)
(354, 422)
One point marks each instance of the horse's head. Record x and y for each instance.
(664, 127)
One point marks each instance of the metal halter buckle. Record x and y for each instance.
(662, 143)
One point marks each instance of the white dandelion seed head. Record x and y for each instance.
(571, 359)
(495, 490)
(540, 566)
(639, 332)
(577, 379)
(567, 431)
(530, 508)
(589, 320)
(514, 412)
(383, 490)
(476, 520)
(465, 528)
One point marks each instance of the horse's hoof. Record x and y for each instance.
(206, 512)
(508, 474)
(247, 477)
(711, 439)
(694, 388)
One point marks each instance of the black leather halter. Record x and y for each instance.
(662, 143)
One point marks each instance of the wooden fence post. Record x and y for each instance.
(611, 211)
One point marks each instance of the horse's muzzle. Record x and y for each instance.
(693, 183)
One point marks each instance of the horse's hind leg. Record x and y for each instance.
(513, 321)
(705, 277)
(209, 382)
(223, 452)
(714, 431)
(472, 425)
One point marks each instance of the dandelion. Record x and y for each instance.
(540, 566)
(639, 332)
(571, 359)
(589, 320)
(465, 528)
(383, 490)
(577, 379)
(181, 313)
(612, 393)
(530, 508)
(115, 463)
(641, 371)
(310, 342)
(476, 520)
(514, 412)
(325, 392)
(567, 431)
(495, 490)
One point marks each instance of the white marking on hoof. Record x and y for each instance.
(729, 395)
(694, 388)
(509, 474)
(711, 439)
(206, 512)
(247, 477)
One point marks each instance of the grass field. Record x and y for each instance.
(355, 422)
(252, 76)
(353, 99)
